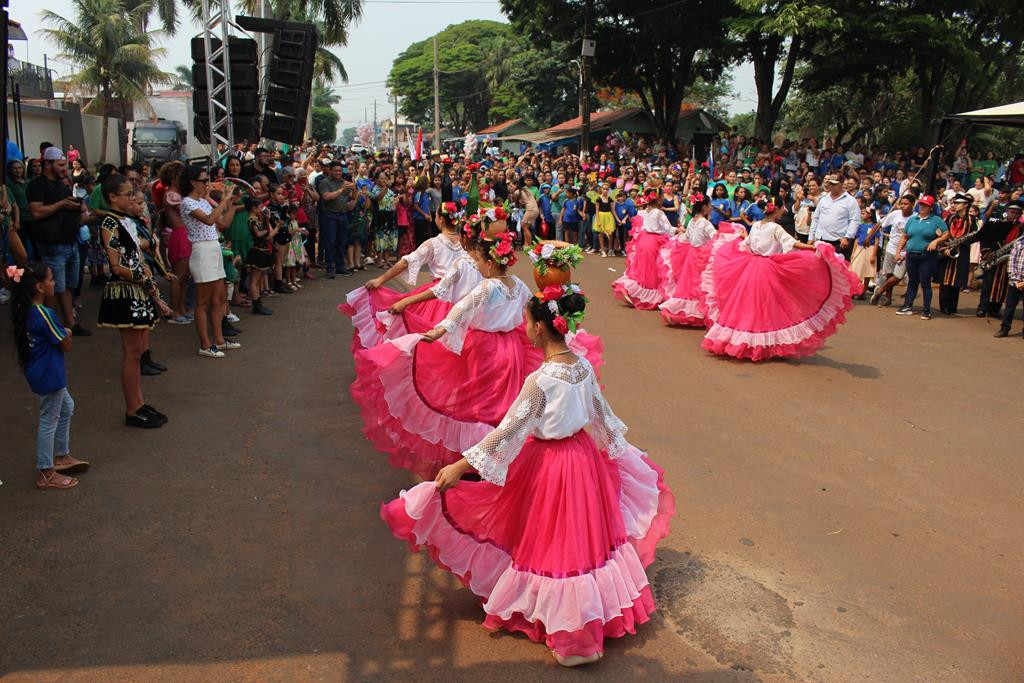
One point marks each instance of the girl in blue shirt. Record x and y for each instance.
(571, 215)
(740, 202)
(41, 342)
(721, 205)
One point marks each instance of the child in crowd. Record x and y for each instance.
(296, 255)
(261, 255)
(403, 207)
(41, 342)
(571, 214)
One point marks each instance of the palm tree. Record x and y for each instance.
(117, 60)
(183, 78)
(323, 96)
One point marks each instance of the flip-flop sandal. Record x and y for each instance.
(74, 466)
(55, 480)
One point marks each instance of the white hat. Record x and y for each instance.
(52, 154)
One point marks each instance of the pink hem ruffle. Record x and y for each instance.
(574, 614)
(801, 339)
(677, 310)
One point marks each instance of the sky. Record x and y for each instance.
(387, 28)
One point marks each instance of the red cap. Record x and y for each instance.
(927, 200)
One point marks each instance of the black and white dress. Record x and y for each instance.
(125, 303)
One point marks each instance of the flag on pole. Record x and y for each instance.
(711, 161)
(412, 147)
(419, 145)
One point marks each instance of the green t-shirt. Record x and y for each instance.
(97, 202)
(730, 188)
(920, 232)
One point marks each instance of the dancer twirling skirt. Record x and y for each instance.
(555, 540)
(770, 296)
(437, 254)
(641, 286)
(684, 258)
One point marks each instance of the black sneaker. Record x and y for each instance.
(980, 313)
(330, 273)
(281, 289)
(346, 272)
(228, 328)
(152, 412)
(147, 358)
(147, 370)
(926, 315)
(905, 310)
(259, 309)
(229, 331)
(80, 331)
(1003, 332)
(143, 420)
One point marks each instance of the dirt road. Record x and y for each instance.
(853, 516)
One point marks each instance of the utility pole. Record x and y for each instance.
(437, 103)
(375, 124)
(586, 53)
(394, 124)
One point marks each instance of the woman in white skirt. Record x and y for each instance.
(204, 223)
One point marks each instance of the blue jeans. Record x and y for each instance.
(920, 268)
(1013, 297)
(54, 435)
(333, 238)
(63, 261)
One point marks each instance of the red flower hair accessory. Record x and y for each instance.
(560, 324)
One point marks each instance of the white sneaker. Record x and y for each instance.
(211, 352)
(5, 296)
(232, 318)
(228, 345)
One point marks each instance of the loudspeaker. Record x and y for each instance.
(291, 82)
(243, 103)
(246, 128)
(243, 87)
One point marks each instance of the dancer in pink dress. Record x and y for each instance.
(684, 258)
(555, 540)
(640, 286)
(770, 296)
(438, 254)
(425, 403)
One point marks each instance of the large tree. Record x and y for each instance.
(115, 58)
(956, 55)
(772, 31)
(465, 91)
(655, 49)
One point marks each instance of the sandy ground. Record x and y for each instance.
(852, 516)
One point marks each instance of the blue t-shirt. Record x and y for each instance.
(622, 209)
(862, 235)
(754, 213)
(572, 211)
(718, 207)
(545, 208)
(423, 201)
(920, 232)
(45, 368)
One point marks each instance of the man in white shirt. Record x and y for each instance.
(856, 157)
(837, 217)
(892, 269)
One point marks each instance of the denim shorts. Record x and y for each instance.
(63, 261)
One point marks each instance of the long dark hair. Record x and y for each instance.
(22, 294)
(186, 177)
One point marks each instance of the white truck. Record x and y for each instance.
(163, 130)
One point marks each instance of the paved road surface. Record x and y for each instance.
(852, 516)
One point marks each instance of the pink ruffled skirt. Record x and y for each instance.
(373, 325)
(424, 405)
(641, 285)
(684, 302)
(784, 305)
(559, 552)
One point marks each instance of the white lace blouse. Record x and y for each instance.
(459, 281)
(556, 401)
(766, 238)
(700, 231)
(490, 307)
(437, 254)
(656, 221)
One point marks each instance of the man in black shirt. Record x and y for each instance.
(261, 165)
(57, 218)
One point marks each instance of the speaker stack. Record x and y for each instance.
(243, 86)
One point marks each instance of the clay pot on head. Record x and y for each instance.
(552, 276)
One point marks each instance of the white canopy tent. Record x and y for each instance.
(1003, 115)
